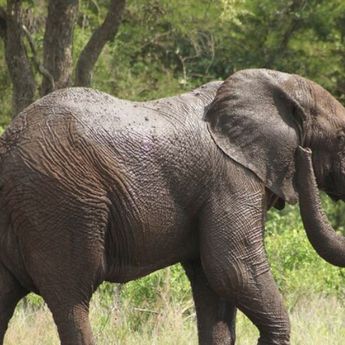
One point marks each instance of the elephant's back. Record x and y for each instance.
(98, 110)
(68, 116)
(94, 111)
(78, 131)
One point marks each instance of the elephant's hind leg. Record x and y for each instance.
(66, 268)
(67, 292)
(66, 281)
(10, 293)
(215, 316)
(72, 322)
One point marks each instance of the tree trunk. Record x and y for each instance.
(18, 63)
(57, 47)
(57, 64)
(327, 243)
(99, 38)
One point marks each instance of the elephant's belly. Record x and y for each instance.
(154, 224)
(154, 250)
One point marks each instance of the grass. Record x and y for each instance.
(316, 320)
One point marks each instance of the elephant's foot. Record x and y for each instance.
(277, 338)
(275, 341)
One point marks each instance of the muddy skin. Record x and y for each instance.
(125, 188)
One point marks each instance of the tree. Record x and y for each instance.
(18, 21)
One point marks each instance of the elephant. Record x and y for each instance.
(95, 188)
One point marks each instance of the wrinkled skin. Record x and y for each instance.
(95, 188)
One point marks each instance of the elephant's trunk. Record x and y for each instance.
(327, 243)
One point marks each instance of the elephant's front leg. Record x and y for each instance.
(234, 260)
(215, 316)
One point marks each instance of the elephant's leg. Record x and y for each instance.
(66, 271)
(72, 321)
(10, 293)
(64, 254)
(67, 292)
(260, 300)
(234, 260)
(68, 297)
(215, 316)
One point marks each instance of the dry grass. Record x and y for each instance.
(317, 321)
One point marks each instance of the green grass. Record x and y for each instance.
(318, 320)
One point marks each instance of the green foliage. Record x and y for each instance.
(162, 48)
(296, 267)
(153, 293)
(166, 47)
(5, 90)
(298, 270)
(170, 283)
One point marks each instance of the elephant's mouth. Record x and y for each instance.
(331, 187)
(335, 196)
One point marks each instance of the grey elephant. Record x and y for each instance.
(95, 188)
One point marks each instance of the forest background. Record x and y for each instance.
(146, 49)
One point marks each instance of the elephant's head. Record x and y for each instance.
(260, 117)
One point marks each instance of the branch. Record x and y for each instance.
(292, 27)
(103, 34)
(39, 66)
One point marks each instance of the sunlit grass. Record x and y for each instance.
(315, 321)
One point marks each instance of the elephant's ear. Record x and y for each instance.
(255, 120)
